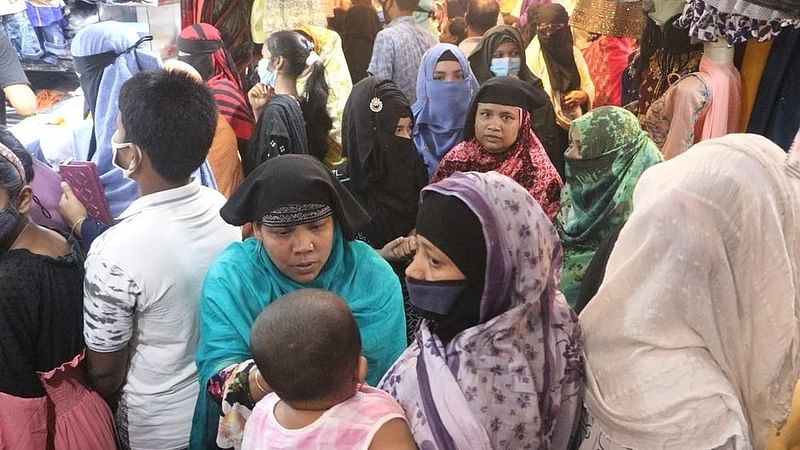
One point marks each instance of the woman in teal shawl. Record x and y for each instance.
(305, 224)
(608, 153)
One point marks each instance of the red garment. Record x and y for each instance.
(607, 59)
(69, 416)
(224, 82)
(526, 163)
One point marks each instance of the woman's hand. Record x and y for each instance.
(259, 96)
(72, 210)
(400, 249)
(573, 99)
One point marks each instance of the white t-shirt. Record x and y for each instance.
(143, 281)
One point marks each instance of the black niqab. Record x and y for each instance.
(557, 47)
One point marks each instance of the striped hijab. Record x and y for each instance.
(201, 46)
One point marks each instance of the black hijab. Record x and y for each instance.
(543, 119)
(557, 48)
(454, 229)
(386, 172)
(294, 180)
(506, 91)
(481, 58)
(361, 25)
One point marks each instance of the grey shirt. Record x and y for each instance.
(398, 52)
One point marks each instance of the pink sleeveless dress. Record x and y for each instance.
(349, 425)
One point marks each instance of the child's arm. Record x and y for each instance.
(393, 435)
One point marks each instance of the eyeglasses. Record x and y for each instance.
(546, 29)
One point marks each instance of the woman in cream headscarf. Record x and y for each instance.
(692, 340)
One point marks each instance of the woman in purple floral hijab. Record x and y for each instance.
(498, 362)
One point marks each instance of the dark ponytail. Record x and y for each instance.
(297, 49)
(315, 111)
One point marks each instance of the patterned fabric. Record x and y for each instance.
(697, 311)
(351, 424)
(398, 53)
(607, 59)
(269, 16)
(708, 23)
(674, 120)
(513, 380)
(526, 162)
(292, 215)
(662, 71)
(598, 195)
(231, 389)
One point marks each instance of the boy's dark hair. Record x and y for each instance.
(307, 346)
(172, 118)
(482, 15)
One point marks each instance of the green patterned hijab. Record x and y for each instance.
(598, 193)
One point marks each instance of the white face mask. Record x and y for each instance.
(265, 75)
(115, 147)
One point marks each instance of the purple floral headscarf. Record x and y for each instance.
(512, 381)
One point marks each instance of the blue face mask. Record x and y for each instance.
(266, 75)
(434, 299)
(505, 67)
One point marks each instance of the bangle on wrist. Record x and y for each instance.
(77, 225)
(260, 387)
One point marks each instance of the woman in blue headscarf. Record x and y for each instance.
(445, 86)
(305, 223)
(106, 55)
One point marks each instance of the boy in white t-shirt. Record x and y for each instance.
(145, 273)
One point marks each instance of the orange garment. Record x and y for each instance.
(755, 61)
(788, 438)
(224, 159)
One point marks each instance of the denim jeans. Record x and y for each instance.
(20, 32)
(52, 39)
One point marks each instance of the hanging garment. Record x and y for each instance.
(775, 114)
(607, 60)
(734, 20)
(609, 17)
(755, 62)
(666, 56)
(701, 106)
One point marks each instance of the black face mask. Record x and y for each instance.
(11, 225)
(450, 306)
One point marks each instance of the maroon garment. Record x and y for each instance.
(526, 163)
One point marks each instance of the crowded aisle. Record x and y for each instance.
(400, 224)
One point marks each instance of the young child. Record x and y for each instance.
(308, 349)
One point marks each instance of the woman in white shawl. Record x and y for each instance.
(692, 340)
